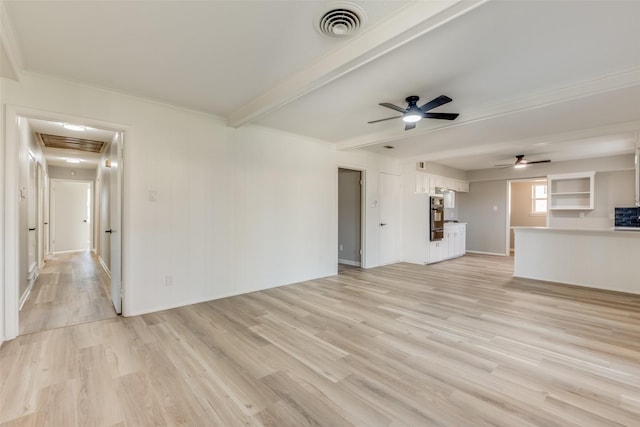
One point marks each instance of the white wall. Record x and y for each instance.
(79, 174)
(236, 210)
(484, 209)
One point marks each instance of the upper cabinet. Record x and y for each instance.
(571, 191)
(427, 183)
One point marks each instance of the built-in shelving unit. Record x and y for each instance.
(573, 191)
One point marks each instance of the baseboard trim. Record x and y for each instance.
(104, 266)
(485, 253)
(348, 262)
(25, 296)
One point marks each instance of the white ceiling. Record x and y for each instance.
(549, 79)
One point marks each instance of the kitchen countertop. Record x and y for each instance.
(596, 258)
(614, 230)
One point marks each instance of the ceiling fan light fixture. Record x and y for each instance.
(411, 117)
(520, 165)
(413, 113)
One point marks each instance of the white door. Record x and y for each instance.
(390, 214)
(115, 218)
(71, 216)
(32, 216)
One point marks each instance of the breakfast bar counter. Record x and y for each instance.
(598, 258)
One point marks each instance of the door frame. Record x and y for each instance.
(11, 211)
(363, 212)
(52, 216)
(507, 243)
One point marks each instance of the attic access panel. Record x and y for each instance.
(71, 143)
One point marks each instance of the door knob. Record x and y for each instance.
(108, 231)
(382, 224)
(32, 229)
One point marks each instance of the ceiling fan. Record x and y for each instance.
(521, 162)
(413, 113)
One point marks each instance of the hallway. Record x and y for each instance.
(72, 288)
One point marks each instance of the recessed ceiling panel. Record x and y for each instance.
(71, 143)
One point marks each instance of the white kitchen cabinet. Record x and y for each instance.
(571, 191)
(439, 251)
(427, 183)
(453, 244)
(423, 181)
(460, 240)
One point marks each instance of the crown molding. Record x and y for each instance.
(410, 22)
(602, 84)
(9, 50)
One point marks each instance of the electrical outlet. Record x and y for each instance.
(341, 247)
(168, 280)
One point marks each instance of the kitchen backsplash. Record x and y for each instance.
(627, 217)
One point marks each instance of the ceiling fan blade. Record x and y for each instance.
(393, 107)
(502, 166)
(409, 126)
(442, 116)
(536, 161)
(441, 100)
(382, 120)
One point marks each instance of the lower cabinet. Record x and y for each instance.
(453, 244)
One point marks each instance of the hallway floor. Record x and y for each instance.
(71, 289)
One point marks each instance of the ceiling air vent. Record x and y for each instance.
(342, 20)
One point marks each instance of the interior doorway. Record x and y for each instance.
(350, 217)
(527, 206)
(27, 133)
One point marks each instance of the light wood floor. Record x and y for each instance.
(70, 289)
(460, 343)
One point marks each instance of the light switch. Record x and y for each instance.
(153, 196)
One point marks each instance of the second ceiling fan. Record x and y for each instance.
(521, 162)
(413, 113)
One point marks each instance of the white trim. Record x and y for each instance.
(348, 262)
(70, 252)
(485, 253)
(104, 266)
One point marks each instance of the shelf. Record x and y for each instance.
(571, 191)
(570, 208)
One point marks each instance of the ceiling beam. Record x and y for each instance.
(413, 21)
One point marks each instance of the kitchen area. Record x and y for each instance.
(599, 255)
(432, 232)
